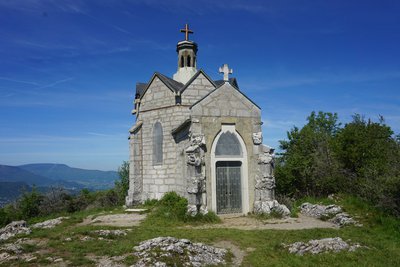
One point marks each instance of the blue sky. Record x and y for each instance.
(68, 68)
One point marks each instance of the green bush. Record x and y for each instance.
(362, 159)
(29, 204)
(172, 209)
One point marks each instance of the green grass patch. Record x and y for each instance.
(380, 233)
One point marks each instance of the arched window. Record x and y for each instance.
(182, 62)
(228, 145)
(188, 61)
(157, 144)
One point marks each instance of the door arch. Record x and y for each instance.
(229, 158)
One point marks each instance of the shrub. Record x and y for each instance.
(172, 209)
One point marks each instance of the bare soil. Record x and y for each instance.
(251, 223)
(118, 220)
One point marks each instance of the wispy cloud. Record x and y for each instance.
(76, 6)
(56, 83)
(200, 7)
(291, 80)
(18, 81)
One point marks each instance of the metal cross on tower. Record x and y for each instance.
(187, 32)
(226, 71)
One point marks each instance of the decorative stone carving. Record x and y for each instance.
(196, 180)
(265, 184)
(257, 138)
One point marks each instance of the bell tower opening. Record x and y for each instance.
(187, 51)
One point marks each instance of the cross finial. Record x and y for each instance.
(226, 71)
(187, 32)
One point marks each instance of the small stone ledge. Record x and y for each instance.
(324, 245)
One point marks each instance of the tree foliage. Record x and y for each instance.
(122, 185)
(361, 158)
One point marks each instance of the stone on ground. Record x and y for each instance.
(335, 244)
(266, 207)
(49, 223)
(343, 219)
(334, 212)
(319, 211)
(14, 228)
(111, 232)
(162, 250)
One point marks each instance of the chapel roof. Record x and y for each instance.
(177, 86)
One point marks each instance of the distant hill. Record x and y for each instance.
(93, 179)
(44, 176)
(16, 174)
(10, 191)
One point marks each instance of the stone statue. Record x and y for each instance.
(265, 183)
(196, 180)
(257, 138)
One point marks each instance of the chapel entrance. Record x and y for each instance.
(229, 192)
(229, 172)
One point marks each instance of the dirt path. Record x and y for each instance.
(236, 251)
(118, 220)
(250, 223)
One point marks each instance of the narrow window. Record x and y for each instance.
(188, 61)
(157, 144)
(182, 62)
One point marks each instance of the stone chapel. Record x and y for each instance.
(201, 138)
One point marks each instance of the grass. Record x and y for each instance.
(380, 233)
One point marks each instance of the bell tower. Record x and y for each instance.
(187, 51)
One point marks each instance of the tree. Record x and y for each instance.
(29, 204)
(307, 165)
(370, 155)
(122, 185)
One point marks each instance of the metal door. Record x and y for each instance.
(229, 193)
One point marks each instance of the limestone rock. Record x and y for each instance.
(110, 232)
(335, 244)
(343, 219)
(266, 207)
(11, 247)
(192, 210)
(152, 252)
(4, 256)
(319, 211)
(14, 228)
(333, 212)
(49, 223)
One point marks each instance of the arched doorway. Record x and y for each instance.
(229, 174)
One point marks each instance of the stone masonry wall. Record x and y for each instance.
(200, 87)
(157, 95)
(226, 105)
(159, 179)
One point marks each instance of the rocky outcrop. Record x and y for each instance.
(49, 223)
(267, 207)
(111, 232)
(319, 211)
(332, 213)
(335, 244)
(14, 228)
(343, 219)
(158, 251)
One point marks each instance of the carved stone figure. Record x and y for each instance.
(265, 184)
(257, 138)
(196, 181)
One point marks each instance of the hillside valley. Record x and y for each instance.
(14, 180)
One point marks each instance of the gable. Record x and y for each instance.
(198, 87)
(226, 101)
(156, 95)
